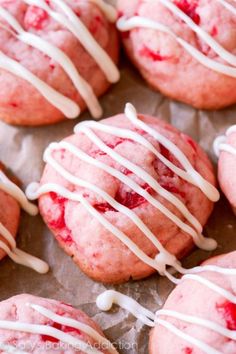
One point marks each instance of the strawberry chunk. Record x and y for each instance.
(35, 18)
(228, 311)
(189, 7)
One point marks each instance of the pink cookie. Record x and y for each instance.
(197, 300)
(174, 59)
(51, 321)
(227, 168)
(94, 245)
(24, 102)
(9, 214)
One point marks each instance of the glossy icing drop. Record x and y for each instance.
(67, 18)
(107, 299)
(220, 143)
(9, 247)
(126, 24)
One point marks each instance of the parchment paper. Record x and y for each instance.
(22, 148)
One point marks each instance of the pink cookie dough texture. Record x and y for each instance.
(167, 66)
(96, 250)
(195, 299)
(9, 214)
(20, 102)
(17, 309)
(227, 172)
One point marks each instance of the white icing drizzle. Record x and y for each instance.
(110, 297)
(207, 188)
(228, 6)
(198, 321)
(220, 143)
(69, 108)
(124, 24)
(228, 295)
(57, 333)
(208, 268)
(13, 252)
(192, 176)
(69, 20)
(231, 130)
(106, 300)
(221, 51)
(163, 258)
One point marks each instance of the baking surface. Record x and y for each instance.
(21, 149)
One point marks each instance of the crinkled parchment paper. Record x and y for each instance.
(22, 148)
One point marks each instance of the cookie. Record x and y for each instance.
(11, 200)
(225, 149)
(117, 192)
(30, 324)
(183, 48)
(56, 58)
(199, 315)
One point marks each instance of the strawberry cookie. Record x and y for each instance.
(225, 149)
(56, 58)
(30, 324)
(183, 48)
(126, 196)
(11, 199)
(200, 314)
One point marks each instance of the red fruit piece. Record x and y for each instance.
(188, 350)
(165, 174)
(95, 24)
(125, 35)
(160, 168)
(191, 142)
(125, 171)
(13, 104)
(172, 189)
(189, 8)
(120, 14)
(228, 311)
(62, 328)
(129, 199)
(59, 222)
(214, 31)
(65, 304)
(155, 56)
(103, 207)
(35, 17)
(118, 142)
